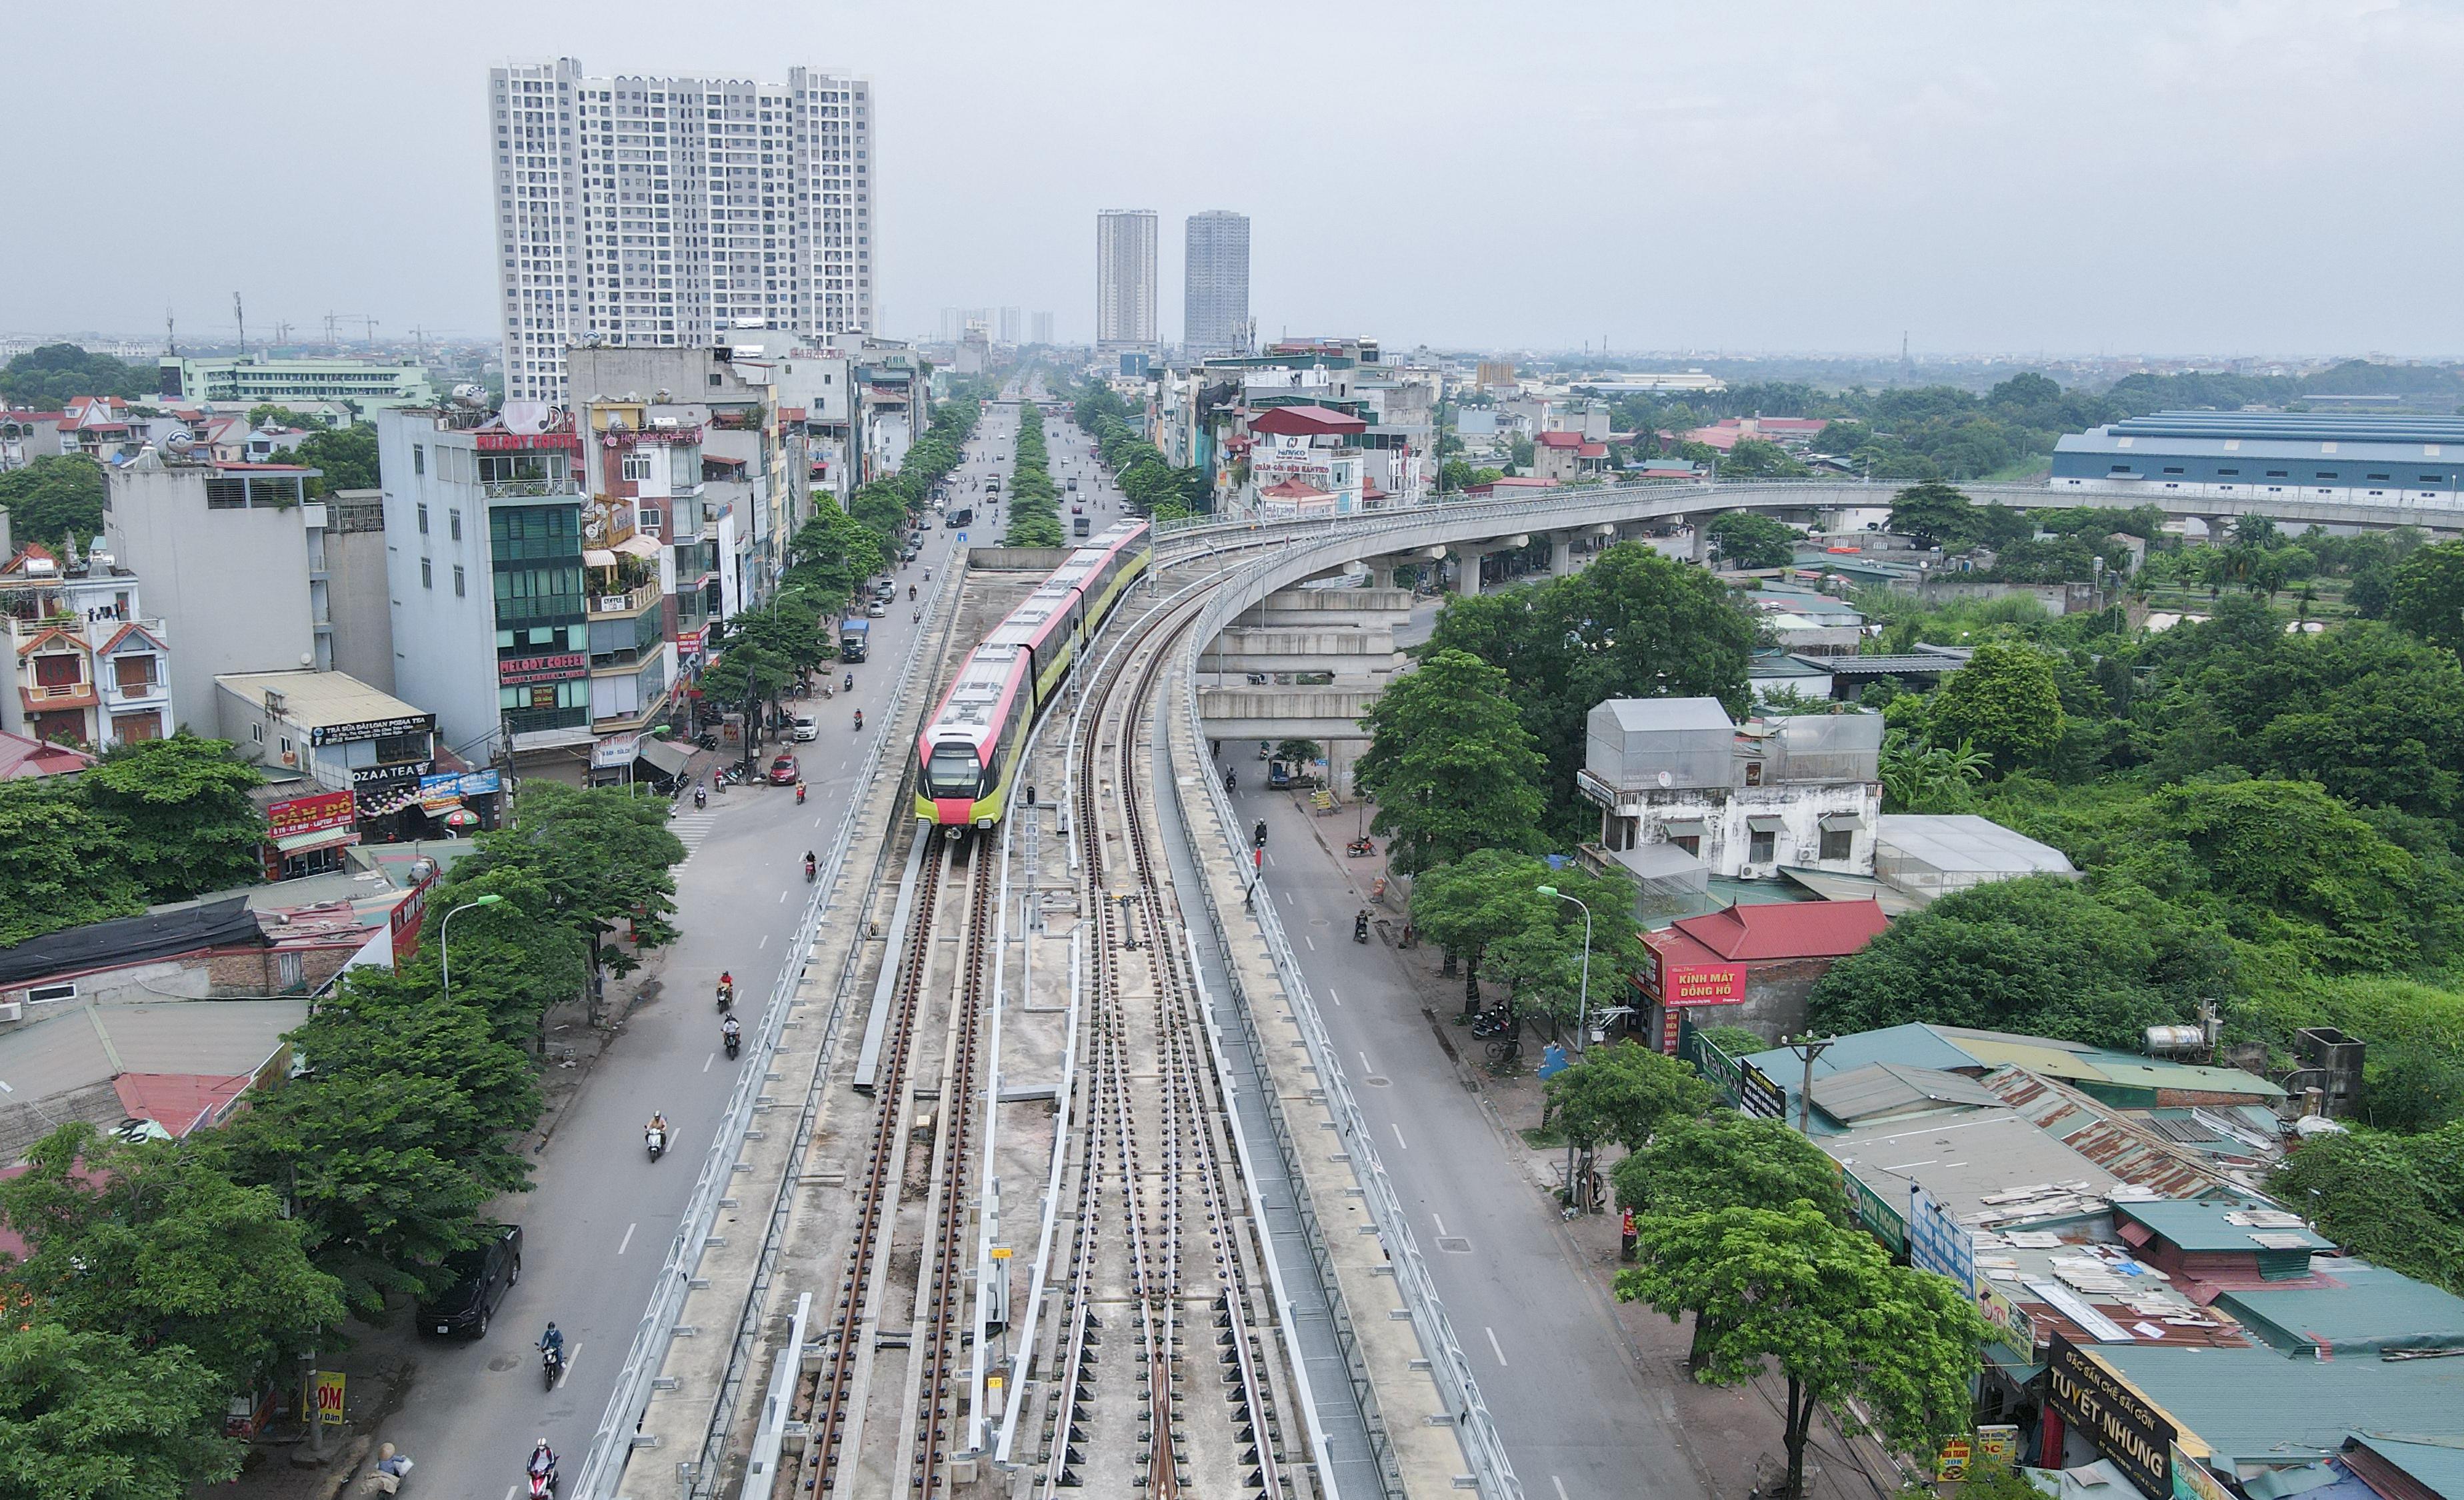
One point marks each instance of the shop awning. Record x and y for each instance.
(1684, 828)
(1841, 822)
(597, 557)
(639, 545)
(1767, 824)
(671, 758)
(316, 838)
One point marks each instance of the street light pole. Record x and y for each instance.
(1582, 1029)
(445, 935)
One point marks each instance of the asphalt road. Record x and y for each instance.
(599, 1216)
(1579, 1416)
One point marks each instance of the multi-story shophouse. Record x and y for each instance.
(492, 609)
(89, 667)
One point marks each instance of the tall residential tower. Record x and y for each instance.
(662, 211)
(1215, 298)
(1125, 279)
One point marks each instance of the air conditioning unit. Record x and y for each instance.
(13, 1010)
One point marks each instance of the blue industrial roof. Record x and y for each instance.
(2356, 427)
(2255, 1406)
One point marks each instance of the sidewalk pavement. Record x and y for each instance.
(1734, 1433)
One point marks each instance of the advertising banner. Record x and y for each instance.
(2120, 1422)
(309, 814)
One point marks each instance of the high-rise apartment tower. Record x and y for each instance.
(1215, 297)
(1125, 279)
(1042, 328)
(663, 210)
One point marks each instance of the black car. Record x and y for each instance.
(481, 1278)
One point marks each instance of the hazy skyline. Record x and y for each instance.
(2262, 178)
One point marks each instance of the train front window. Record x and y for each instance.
(954, 771)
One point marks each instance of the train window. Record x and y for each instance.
(952, 771)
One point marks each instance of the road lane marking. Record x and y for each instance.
(707, 1061)
(1311, 942)
(1440, 1223)
(572, 1356)
(1560, 1486)
(782, 899)
(1500, 1351)
(765, 943)
(1367, 1068)
(1398, 1135)
(1270, 857)
(1332, 996)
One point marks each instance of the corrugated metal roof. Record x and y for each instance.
(2374, 1310)
(2255, 1406)
(1967, 842)
(1889, 1088)
(2201, 1227)
(1669, 713)
(2439, 1466)
(2110, 1140)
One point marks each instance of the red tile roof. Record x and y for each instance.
(1559, 440)
(1787, 929)
(1304, 422)
(22, 756)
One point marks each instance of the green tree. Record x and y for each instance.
(833, 553)
(1483, 898)
(1701, 1163)
(602, 856)
(59, 863)
(1921, 777)
(2042, 955)
(1934, 515)
(180, 811)
(1749, 540)
(1545, 960)
(2004, 702)
(148, 1237)
(1753, 458)
(2395, 1200)
(1793, 1288)
(346, 458)
(91, 1416)
(512, 958)
(2427, 594)
(1632, 625)
(47, 378)
(1450, 764)
(1622, 1091)
(266, 412)
(54, 500)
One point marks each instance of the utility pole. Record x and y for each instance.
(1808, 1048)
(170, 336)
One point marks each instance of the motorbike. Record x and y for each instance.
(541, 1486)
(1360, 847)
(1360, 928)
(734, 1041)
(859, 718)
(552, 1360)
(386, 1474)
(726, 995)
(800, 794)
(708, 740)
(811, 870)
(1258, 835)
(701, 798)
(656, 1140)
(1492, 1022)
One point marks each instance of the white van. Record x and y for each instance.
(807, 727)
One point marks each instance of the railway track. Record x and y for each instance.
(1157, 1233)
(833, 1399)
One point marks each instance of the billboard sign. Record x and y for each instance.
(310, 814)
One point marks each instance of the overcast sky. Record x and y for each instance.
(2159, 176)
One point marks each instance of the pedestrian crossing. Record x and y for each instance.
(692, 827)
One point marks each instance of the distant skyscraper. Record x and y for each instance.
(1009, 326)
(1125, 279)
(1043, 327)
(630, 207)
(1214, 305)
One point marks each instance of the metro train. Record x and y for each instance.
(966, 759)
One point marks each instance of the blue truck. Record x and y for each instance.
(855, 637)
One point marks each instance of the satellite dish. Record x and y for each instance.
(1666, 780)
(524, 416)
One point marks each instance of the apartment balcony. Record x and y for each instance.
(529, 489)
(652, 713)
(627, 603)
(119, 696)
(44, 698)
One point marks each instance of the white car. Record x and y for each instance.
(807, 727)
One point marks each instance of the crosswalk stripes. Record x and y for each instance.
(690, 828)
